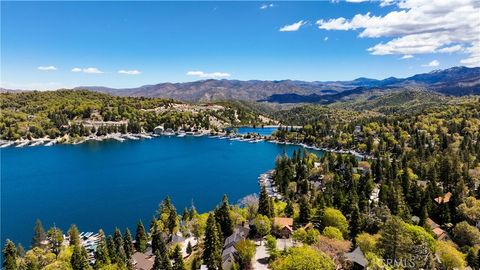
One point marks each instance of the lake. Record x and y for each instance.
(106, 184)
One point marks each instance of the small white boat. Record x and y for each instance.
(36, 143)
(181, 135)
(22, 144)
(6, 144)
(145, 136)
(50, 143)
(131, 137)
(118, 139)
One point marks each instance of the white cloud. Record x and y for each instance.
(265, 6)
(356, 1)
(407, 56)
(292, 27)
(434, 63)
(325, 38)
(213, 75)
(451, 49)
(420, 27)
(129, 72)
(46, 68)
(89, 70)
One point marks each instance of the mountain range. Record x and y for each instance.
(456, 81)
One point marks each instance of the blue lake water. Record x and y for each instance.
(261, 131)
(107, 184)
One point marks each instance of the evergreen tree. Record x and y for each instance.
(74, 235)
(178, 263)
(128, 244)
(140, 238)
(304, 214)
(20, 251)
(158, 243)
(112, 250)
(264, 203)
(79, 259)
(189, 248)
(55, 239)
(101, 253)
(172, 219)
(289, 209)
(271, 205)
(10, 256)
(39, 234)
(393, 242)
(161, 262)
(355, 222)
(222, 216)
(212, 253)
(119, 249)
(196, 264)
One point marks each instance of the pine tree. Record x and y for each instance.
(271, 206)
(112, 250)
(212, 256)
(79, 259)
(355, 222)
(128, 244)
(196, 264)
(140, 238)
(222, 216)
(39, 234)
(55, 239)
(20, 251)
(393, 242)
(10, 256)
(74, 235)
(178, 263)
(189, 248)
(161, 262)
(119, 250)
(172, 219)
(158, 243)
(101, 253)
(264, 203)
(289, 209)
(304, 214)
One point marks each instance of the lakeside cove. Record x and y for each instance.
(112, 183)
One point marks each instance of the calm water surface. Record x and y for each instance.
(107, 184)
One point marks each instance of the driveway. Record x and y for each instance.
(261, 257)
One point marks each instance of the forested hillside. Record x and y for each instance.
(78, 113)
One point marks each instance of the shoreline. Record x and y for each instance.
(149, 135)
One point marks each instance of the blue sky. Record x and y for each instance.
(48, 45)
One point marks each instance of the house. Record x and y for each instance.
(437, 230)
(176, 239)
(229, 254)
(283, 226)
(422, 183)
(229, 257)
(445, 198)
(142, 261)
(374, 197)
(357, 258)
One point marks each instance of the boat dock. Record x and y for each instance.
(266, 180)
